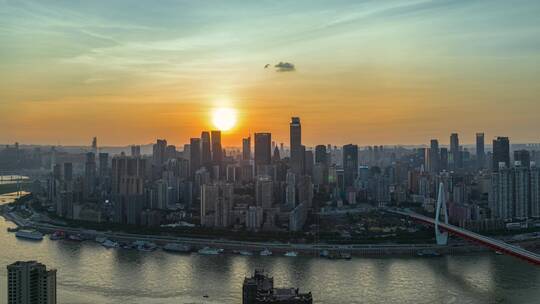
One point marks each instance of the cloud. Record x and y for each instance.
(284, 67)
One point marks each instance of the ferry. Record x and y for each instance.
(291, 254)
(266, 252)
(176, 247)
(110, 244)
(210, 251)
(29, 234)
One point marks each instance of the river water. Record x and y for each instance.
(90, 273)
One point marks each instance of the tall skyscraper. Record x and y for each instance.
(246, 148)
(454, 151)
(103, 165)
(31, 283)
(263, 146)
(135, 150)
(501, 152)
(443, 162)
(350, 164)
(523, 157)
(217, 150)
(194, 155)
(159, 152)
(206, 153)
(321, 155)
(434, 157)
(297, 156)
(89, 174)
(263, 191)
(480, 152)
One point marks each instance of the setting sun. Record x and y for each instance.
(224, 118)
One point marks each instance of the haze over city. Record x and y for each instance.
(368, 72)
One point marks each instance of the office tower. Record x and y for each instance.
(68, 172)
(128, 175)
(276, 157)
(246, 148)
(89, 174)
(263, 152)
(31, 283)
(480, 151)
(103, 164)
(94, 145)
(443, 162)
(297, 156)
(350, 164)
(159, 152)
(194, 155)
(290, 189)
(434, 158)
(263, 192)
(523, 157)
(501, 152)
(206, 153)
(522, 191)
(217, 150)
(170, 152)
(320, 154)
(135, 150)
(454, 151)
(308, 162)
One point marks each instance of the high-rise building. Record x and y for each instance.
(522, 191)
(308, 162)
(480, 151)
(501, 152)
(321, 155)
(194, 155)
(443, 162)
(103, 165)
(246, 148)
(263, 146)
(68, 172)
(31, 283)
(297, 156)
(434, 157)
(89, 174)
(128, 175)
(135, 150)
(263, 192)
(217, 150)
(523, 157)
(535, 191)
(206, 152)
(350, 164)
(159, 152)
(455, 151)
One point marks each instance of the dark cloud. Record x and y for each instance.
(285, 67)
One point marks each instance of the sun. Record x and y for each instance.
(224, 118)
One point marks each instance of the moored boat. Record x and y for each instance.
(110, 244)
(291, 254)
(176, 247)
(245, 252)
(57, 235)
(266, 252)
(29, 234)
(210, 251)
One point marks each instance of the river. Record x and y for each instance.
(90, 273)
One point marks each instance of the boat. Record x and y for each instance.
(428, 253)
(57, 235)
(29, 234)
(110, 244)
(144, 246)
(291, 254)
(266, 252)
(498, 252)
(176, 247)
(101, 239)
(75, 237)
(210, 251)
(245, 252)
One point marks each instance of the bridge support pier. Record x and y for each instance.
(441, 236)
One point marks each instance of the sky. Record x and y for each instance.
(364, 72)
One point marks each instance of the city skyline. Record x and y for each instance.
(76, 70)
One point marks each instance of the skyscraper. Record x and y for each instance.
(350, 164)
(194, 155)
(434, 158)
(31, 283)
(159, 150)
(297, 156)
(454, 151)
(523, 157)
(246, 148)
(320, 154)
(217, 151)
(480, 152)
(103, 164)
(263, 192)
(263, 146)
(206, 153)
(89, 174)
(501, 152)
(135, 150)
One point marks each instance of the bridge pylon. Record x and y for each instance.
(441, 236)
